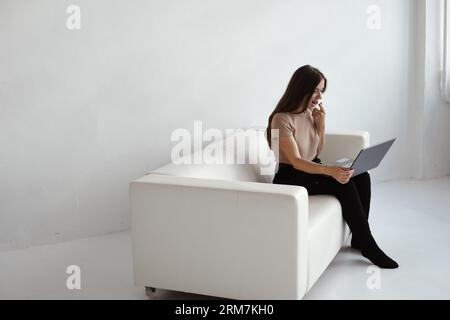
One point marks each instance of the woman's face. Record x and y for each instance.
(317, 95)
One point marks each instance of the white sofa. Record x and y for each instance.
(227, 231)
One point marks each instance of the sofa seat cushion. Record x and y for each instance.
(327, 231)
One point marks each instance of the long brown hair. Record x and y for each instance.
(298, 93)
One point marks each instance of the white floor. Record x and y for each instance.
(410, 220)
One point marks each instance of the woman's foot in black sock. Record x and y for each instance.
(378, 257)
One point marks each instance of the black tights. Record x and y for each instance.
(354, 196)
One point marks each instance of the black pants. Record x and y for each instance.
(354, 196)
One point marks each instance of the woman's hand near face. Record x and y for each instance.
(319, 118)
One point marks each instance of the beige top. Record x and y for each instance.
(301, 127)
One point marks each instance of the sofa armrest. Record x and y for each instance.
(232, 239)
(343, 144)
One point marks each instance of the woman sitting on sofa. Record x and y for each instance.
(300, 120)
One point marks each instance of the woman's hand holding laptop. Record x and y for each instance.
(341, 174)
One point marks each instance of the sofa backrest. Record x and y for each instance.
(245, 156)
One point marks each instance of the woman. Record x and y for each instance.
(300, 119)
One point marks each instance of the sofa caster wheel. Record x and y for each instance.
(149, 291)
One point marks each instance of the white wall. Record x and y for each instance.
(433, 112)
(84, 112)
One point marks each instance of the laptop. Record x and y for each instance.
(368, 158)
